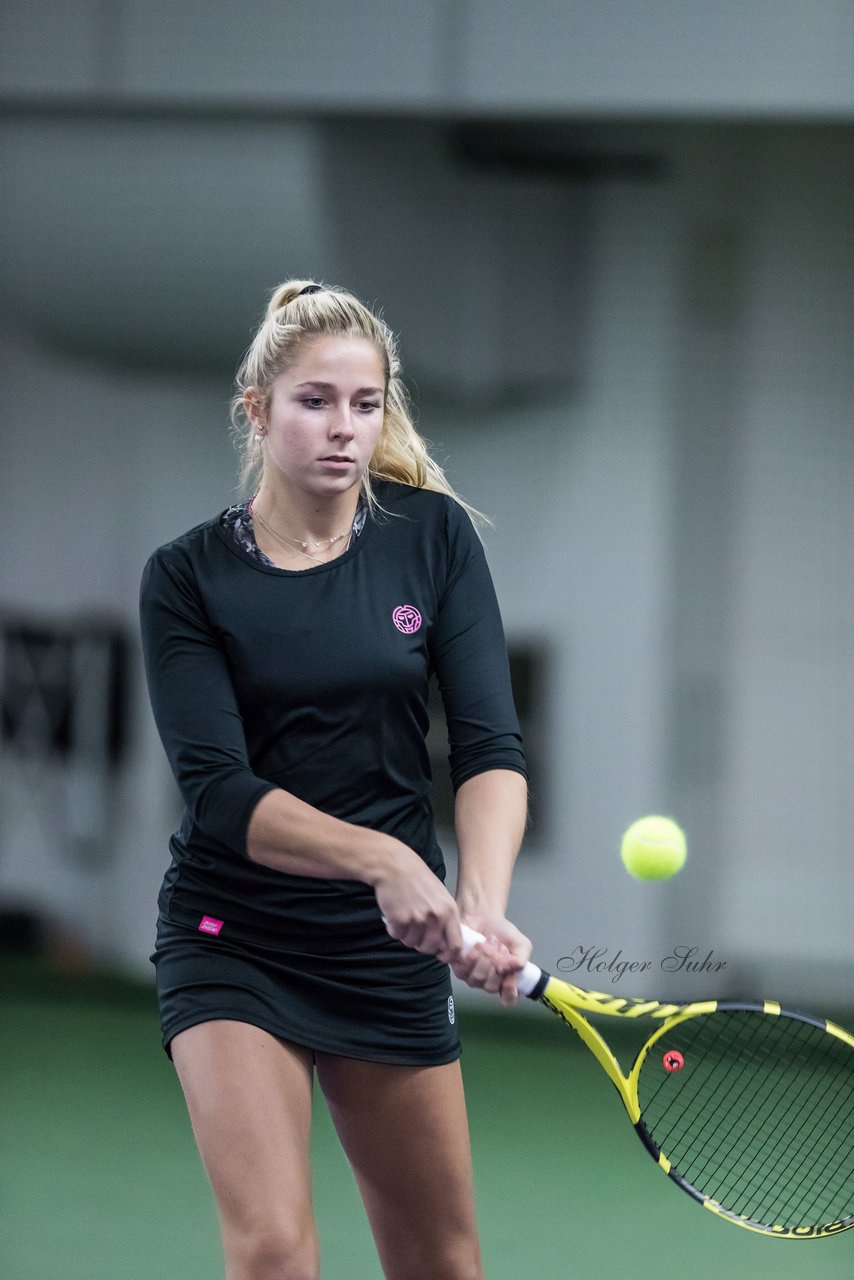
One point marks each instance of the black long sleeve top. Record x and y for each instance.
(316, 682)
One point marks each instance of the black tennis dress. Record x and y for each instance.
(316, 681)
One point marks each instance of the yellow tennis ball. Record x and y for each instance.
(653, 848)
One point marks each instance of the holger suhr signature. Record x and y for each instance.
(597, 960)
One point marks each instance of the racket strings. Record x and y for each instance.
(823, 1081)
(808, 1208)
(734, 1180)
(683, 1120)
(778, 1143)
(841, 1178)
(766, 1108)
(830, 1176)
(788, 1154)
(819, 1136)
(760, 1118)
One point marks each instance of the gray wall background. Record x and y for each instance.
(616, 239)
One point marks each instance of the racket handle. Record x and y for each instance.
(526, 979)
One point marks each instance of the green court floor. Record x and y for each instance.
(99, 1178)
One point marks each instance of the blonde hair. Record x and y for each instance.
(293, 318)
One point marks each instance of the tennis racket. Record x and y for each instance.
(747, 1107)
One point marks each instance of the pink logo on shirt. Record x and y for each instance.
(210, 925)
(407, 619)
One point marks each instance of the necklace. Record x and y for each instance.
(298, 544)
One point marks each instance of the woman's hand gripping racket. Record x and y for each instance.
(747, 1107)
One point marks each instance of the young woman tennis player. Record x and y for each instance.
(304, 921)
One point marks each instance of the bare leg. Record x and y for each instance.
(249, 1097)
(405, 1132)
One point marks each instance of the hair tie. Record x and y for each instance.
(311, 288)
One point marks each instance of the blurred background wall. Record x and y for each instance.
(616, 239)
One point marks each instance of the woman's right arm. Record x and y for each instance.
(197, 715)
(289, 835)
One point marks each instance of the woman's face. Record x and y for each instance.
(325, 416)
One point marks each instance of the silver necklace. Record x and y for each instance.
(298, 544)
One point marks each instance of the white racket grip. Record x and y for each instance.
(527, 977)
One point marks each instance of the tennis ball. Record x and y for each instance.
(653, 848)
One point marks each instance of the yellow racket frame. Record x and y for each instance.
(571, 1003)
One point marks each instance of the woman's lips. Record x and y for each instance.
(337, 460)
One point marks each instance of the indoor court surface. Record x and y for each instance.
(100, 1179)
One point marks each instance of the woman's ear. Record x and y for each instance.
(253, 407)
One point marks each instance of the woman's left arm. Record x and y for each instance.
(486, 758)
(489, 815)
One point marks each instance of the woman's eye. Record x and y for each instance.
(370, 404)
(314, 402)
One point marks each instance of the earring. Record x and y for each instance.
(259, 436)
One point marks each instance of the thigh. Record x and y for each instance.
(405, 1133)
(249, 1098)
